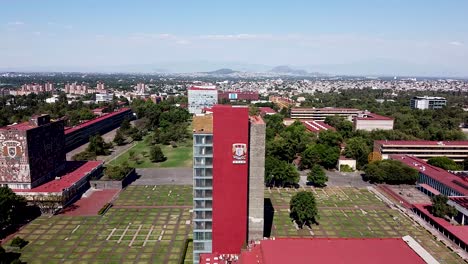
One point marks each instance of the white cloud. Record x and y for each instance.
(182, 42)
(236, 36)
(16, 23)
(456, 43)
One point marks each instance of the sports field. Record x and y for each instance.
(352, 212)
(154, 229)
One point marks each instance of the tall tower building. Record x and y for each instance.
(229, 156)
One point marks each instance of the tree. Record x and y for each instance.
(84, 155)
(117, 172)
(18, 242)
(119, 138)
(357, 149)
(391, 172)
(12, 207)
(254, 110)
(330, 138)
(303, 208)
(317, 176)
(156, 154)
(444, 163)
(125, 125)
(280, 173)
(440, 208)
(135, 134)
(320, 154)
(98, 146)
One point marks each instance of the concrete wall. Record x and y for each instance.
(256, 181)
(111, 184)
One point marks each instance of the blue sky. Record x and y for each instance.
(389, 37)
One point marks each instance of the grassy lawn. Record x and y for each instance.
(352, 212)
(123, 235)
(181, 156)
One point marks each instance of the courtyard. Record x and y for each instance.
(146, 225)
(349, 212)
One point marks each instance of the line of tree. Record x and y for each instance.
(390, 172)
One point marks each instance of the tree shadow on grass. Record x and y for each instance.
(268, 215)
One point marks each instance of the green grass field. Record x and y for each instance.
(352, 212)
(180, 156)
(144, 233)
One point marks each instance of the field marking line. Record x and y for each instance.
(76, 228)
(148, 235)
(135, 236)
(123, 234)
(111, 233)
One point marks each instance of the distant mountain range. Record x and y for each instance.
(223, 71)
(283, 69)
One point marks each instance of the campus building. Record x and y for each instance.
(228, 172)
(237, 96)
(33, 165)
(200, 97)
(32, 152)
(427, 102)
(362, 120)
(369, 121)
(78, 135)
(456, 150)
(403, 250)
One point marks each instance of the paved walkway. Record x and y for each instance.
(90, 203)
(164, 176)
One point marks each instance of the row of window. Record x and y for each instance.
(203, 215)
(202, 246)
(203, 140)
(203, 204)
(203, 172)
(201, 235)
(201, 225)
(203, 194)
(202, 151)
(203, 161)
(203, 183)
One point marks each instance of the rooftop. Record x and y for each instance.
(325, 109)
(267, 110)
(73, 173)
(326, 250)
(69, 130)
(442, 176)
(203, 88)
(461, 232)
(316, 126)
(372, 116)
(421, 143)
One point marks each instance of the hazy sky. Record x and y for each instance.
(419, 35)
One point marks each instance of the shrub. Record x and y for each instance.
(18, 242)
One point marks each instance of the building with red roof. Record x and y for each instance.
(238, 95)
(266, 111)
(327, 250)
(423, 149)
(78, 135)
(31, 152)
(369, 121)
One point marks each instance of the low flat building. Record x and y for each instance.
(369, 121)
(321, 113)
(427, 102)
(237, 95)
(423, 149)
(200, 97)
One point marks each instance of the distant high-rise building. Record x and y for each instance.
(228, 167)
(427, 102)
(200, 97)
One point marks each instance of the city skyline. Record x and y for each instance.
(364, 37)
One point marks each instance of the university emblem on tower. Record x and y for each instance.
(12, 148)
(239, 153)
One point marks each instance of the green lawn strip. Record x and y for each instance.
(180, 156)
